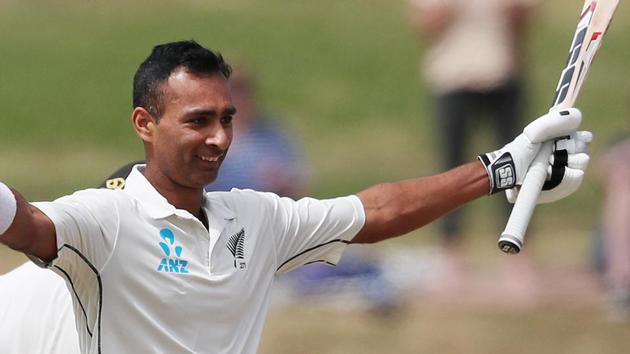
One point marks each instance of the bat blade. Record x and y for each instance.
(593, 23)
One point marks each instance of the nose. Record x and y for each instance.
(219, 136)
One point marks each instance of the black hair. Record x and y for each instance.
(163, 61)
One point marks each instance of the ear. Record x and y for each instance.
(143, 123)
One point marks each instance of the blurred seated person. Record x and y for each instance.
(262, 156)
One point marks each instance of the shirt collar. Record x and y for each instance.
(157, 206)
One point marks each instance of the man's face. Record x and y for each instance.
(195, 131)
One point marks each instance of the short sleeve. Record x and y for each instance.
(86, 224)
(307, 230)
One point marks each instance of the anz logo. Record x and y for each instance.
(172, 262)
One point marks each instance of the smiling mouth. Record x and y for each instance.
(210, 158)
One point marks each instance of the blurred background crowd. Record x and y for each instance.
(334, 96)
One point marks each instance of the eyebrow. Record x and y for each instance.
(210, 112)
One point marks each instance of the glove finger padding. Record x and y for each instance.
(577, 142)
(570, 183)
(574, 143)
(571, 162)
(553, 125)
(575, 161)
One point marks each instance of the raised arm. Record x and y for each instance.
(25, 228)
(393, 209)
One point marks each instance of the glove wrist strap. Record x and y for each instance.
(501, 170)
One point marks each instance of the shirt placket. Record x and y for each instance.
(215, 229)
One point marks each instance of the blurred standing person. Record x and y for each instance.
(262, 156)
(473, 65)
(616, 228)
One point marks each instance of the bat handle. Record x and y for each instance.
(512, 238)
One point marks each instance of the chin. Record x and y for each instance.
(205, 180)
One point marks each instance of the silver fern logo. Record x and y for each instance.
(236, 245)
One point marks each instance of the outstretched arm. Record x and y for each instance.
(25, 228)
(394, 209)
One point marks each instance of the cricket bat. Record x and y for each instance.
(592, 25)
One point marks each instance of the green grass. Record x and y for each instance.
(431, 328)
(343, 74)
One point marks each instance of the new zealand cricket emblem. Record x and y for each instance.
(236, 245)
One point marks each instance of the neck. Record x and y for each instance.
(181, 197)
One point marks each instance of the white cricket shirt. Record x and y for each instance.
(149, 278)
(36, 313)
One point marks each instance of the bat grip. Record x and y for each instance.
(512, 238)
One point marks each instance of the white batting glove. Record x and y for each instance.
(507, 166)
(567, 166)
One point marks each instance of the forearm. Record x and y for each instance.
(29, 230)
(394, 209)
